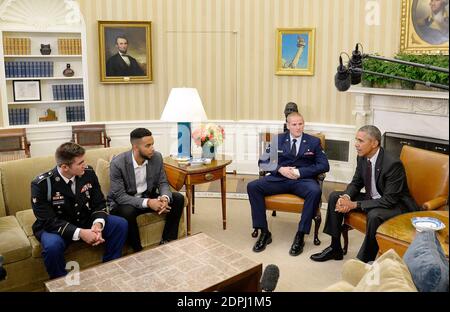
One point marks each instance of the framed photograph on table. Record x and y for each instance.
(295, 51)
(125, 51)
(26, 90)
(424, 26)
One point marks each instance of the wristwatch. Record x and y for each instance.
(358, 205)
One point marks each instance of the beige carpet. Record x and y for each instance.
(297, 274)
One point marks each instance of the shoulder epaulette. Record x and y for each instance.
(43, 176)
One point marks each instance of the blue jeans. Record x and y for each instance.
(53, 245)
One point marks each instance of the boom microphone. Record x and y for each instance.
(356, 62)
(342, 78)
(270, 277)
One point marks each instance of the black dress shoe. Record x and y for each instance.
(163, 241)
(264, 239)
(328, 254)
(297, 245)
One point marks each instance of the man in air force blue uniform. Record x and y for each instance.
(300, 160)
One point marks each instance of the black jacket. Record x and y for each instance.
(116, 66)
(62, 212)
(390, 178)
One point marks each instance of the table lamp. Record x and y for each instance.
(184, 106)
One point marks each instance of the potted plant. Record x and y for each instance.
(406, 71)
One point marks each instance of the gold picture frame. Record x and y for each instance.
(125, 51)
(420, 33)
(295, 51)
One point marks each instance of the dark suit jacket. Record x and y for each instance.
(116, 66)
(62, 212)
(310, 159)
(390, 178)
(123, 180)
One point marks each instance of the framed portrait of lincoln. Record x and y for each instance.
(125, 51)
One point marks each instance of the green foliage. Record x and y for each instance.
(406, 71)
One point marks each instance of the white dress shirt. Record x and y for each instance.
(125, 58)
(76, 234)
(140, 175)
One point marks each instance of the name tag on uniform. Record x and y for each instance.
(57, 196)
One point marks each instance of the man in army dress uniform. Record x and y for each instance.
(69, 205)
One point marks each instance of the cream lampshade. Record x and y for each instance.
(184, 106)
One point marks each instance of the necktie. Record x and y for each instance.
(294, 147)
(368, 180)
(70, 183)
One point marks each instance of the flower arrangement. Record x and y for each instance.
(209, 134)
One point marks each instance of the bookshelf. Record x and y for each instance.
(23, 58)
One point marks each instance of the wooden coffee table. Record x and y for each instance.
(398, 232)
(194, 263)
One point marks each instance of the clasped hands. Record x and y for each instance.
(160, 204)
(93, 236)
(289, 172)
(344, 204)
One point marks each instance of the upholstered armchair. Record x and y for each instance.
(427, 174)
(290, 202)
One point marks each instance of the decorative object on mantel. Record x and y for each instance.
(45, 49)
(68, 72)
(208, 136)
(50, 116)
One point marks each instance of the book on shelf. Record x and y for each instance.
(69, 46)
(16, 46)
(75, 113)
(23, 69)
(19, 116)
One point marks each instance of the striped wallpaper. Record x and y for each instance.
(226, 49)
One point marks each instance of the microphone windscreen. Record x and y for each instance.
(356, 62)
(342, 81)
(270, 277)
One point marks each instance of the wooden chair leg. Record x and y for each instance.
(317, 222)
(274, 213)
(255, 233)
(345, 229)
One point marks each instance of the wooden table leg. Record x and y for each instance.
(188, 209)
(193, 198)
(223, 187)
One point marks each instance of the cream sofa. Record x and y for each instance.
(388, 273)
(21, 250)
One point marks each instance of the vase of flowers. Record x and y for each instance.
(208, 136)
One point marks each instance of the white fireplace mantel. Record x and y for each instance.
(423, 113)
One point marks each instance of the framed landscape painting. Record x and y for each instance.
(295, 51)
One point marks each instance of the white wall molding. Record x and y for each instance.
(241, 141)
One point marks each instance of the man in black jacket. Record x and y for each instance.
(69, 205)
(122, 64)
(387, 195)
